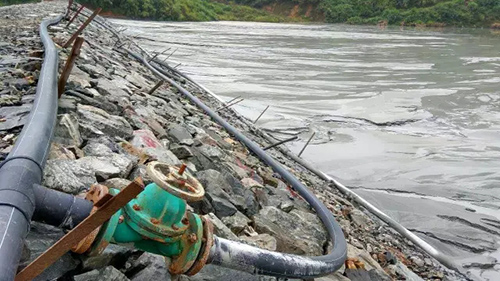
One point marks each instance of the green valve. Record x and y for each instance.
(156, 220)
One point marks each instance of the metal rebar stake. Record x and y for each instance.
(281, 142)
(307, 143)
(267, 107)
(75, 52)
(228, 105)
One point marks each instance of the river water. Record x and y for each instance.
(410, 119)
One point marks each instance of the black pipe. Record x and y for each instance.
(254, 259)
(59, 209)
(24, 164)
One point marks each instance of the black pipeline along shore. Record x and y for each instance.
(109, 124)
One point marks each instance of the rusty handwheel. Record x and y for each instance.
(176, 181)
(96, 193)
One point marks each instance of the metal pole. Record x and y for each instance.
(307, 143)
(261, 114)
(75, 15)
(228, 105)
(178, 65)
(158, 85)
(233, 99)
(157, 54)
(281, 142)
(75, 52)
(170, 55)
(80, 30)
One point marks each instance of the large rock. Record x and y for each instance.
(109, 166)
(68, 176)
(296, 232)
(15, 116)
(111, 125)
(150, 267)
(39, 239)
(222, 189)
(67, 131)
(220, 229)
(237, 222)
(263, 241)
(180, 134)
(148, 143)
(114, 255)
(107, 274)
(97, 149)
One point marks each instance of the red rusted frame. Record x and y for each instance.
(75, 15)
(80, 30)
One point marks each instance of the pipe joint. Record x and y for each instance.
(18, 192)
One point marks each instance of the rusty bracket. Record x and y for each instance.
(108, 206)
(80, 30)
(75, 52)
(75, 15)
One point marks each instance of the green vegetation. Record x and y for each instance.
(395, 12)
(182, 10)
(413, 12)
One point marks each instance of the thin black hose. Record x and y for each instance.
(255, 260)
(23, 166)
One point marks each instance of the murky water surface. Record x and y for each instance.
(410, 118)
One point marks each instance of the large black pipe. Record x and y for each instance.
(24, 165)
(59, 209)
(253, 259)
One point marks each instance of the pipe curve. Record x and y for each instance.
(256, 260)
(23, 167)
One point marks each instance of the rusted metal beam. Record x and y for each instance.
(307, 143)
(75, 15)
(80, 30)
(75, 52)
(105, 211)
(158, 85)
(264, 111)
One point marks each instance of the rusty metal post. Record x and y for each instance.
(80, 30)
(307, 143)
(107, 208)
(75, 52)
(158, 85)
(261, 114)
(68, 10)
(75, 15)
(281, 142)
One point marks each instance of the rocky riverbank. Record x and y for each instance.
(109, 126)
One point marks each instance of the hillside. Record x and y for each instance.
(398, 12)
(470, 13)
